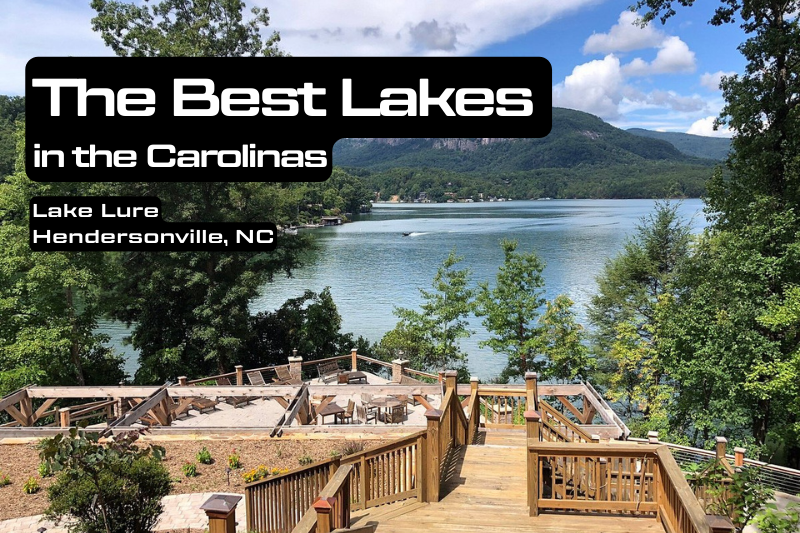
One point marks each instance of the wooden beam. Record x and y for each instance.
(16, 415)
(568, 404)
(270, 391)
(26, 409)
(421, 399)
(13, 398)
(48, 403)
(141, 410)
(588, 413)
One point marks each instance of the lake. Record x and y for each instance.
(371, 267)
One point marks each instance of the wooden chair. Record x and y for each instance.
(256, 379)
(202, 404)
(328, 371)
(235, 401)
(180, 408)
(396, 415)
(283, 376)
(366, 401)
(348, 413)
(366, 415)
(404, 399)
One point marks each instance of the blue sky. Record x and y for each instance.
(660, 77)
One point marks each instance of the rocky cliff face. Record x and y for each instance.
(457, 144)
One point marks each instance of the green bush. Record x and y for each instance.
(189, 469)
(204, 456)
(31, 486)
(305, 460)
(4, 480)
(771, 520)
(45, 470)
(234, 460)
(115, 487)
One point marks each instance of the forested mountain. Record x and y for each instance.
(582, 157)
(691, 145)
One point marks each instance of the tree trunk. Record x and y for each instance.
(75, 347)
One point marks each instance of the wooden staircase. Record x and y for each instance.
(485, 490)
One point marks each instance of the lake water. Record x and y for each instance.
(372, 268)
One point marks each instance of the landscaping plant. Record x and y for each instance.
(234, 460)
(31, 486)
(189, 469)
(204, 456)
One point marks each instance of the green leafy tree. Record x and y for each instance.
(191, 309)
(510, 310)
(429, 337)
(624, 310)
(755, 215)
(567, 355)
(49, 303)
(115, 487)
(176, 28)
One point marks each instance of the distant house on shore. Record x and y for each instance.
(331, 221)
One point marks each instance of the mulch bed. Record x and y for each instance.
(21, 461)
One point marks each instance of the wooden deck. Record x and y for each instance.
(485, 491)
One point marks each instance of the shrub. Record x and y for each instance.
(189, 469)
(4, 480)
(305, 460)
(204, 456)
(31, 486)
(356, 446)
(115, 487)
(262, 472)
(45, 470)
(771, 520)
(234, 460)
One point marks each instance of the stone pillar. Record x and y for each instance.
(221, 512)
(239, 374)
(296, 365)
(398, 367)
(738, 456)
(353, 359)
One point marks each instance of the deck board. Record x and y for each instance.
(486, 492)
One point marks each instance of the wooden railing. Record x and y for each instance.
(388, 473)
(614, 477)
(278, 503)
(331, 510)
(503, 408)
(678, 508)
(558, 428)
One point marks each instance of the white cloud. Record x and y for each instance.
(711, 81)
(407, 27)
(705, 127)
(624, 36)
(673, 57)
(595, 87)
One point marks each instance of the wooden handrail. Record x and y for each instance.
(678, 508)
(569, 425)
(335, 499)
(325, 360)
(211, 378)
(474, 416)
(373, 361)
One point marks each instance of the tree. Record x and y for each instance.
(429, 337)
(567, 355)
(624, 309)
(510, 310)
(755, 214)
(49, 304)
(179, 28)
(115, 487)
(191, 309)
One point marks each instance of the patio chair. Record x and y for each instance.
(396, 415)
(235, 401)
(348, 413)
(256, 379)
(203, 404)
(284, 377)
(366, 415)
(180, 408)
(366, 401)
(328, 371)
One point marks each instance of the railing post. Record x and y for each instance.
(324, 508)
(182, 381)
(239, 374)
(531, 390)
(450, 380)
(63, 416)
(432, 459)
(533, 425)
(533, 481)
(595, 437)
(722, 444)
(221, 512)
(296, 365)
(603, 489)
(441, 376)
(422, 468)
(719, 524)
(738, 456)
(353, 359)
(652, 437)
